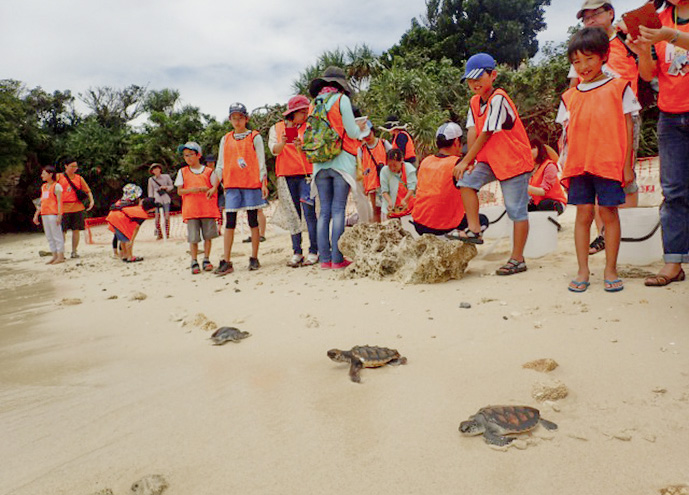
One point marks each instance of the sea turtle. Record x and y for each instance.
(366, 356)
(228, 334)
(494, 422)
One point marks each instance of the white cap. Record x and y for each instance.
(449, 131)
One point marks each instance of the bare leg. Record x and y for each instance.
(229, 240)
(194, 250)
(611, 221)
(76, 234)
(582, 234)
(207, 249)
(261, 225)
(255, 237)
(470, 200)
(521, 233)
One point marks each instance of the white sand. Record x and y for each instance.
(99, 394)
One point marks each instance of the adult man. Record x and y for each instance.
(73, 186)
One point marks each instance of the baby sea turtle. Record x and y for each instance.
(228, 334)
(366, 356)
(494, 422)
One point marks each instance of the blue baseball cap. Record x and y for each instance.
(240, 108)
(477, 65)
(189, 145)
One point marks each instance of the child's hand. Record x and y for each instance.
(264, 191)
(35, 219)
(211, 192)
(460, 169)
(628, 175)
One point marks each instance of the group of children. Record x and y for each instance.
(598, 115)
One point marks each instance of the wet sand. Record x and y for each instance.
(98, 394)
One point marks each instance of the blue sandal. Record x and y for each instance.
(575, 286)
(614, 285)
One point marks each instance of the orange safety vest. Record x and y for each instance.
(371, 160)
(69, 195)
(49, 202)
(335, 118)
(555, 192)
(410, 150)
(402, 191)
(438, 202)
(622, 62)
(123, 220)
(672, 97)
(196, 205)
(291, 161)
(508, 152)
(234, 175)
(596, 131)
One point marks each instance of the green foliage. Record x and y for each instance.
(12, 145)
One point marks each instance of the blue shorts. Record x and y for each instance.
(515, 191)
(585, 189)
(244, 199)
(120, 236)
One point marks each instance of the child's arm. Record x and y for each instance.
(628, 172)
(467, 163)
(536, 191)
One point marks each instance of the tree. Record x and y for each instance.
(456, 29)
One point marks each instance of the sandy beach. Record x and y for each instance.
(107, 375)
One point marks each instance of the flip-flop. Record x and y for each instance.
(575, 286)
(610, 285)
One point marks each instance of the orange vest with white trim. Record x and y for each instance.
(596, 131)
(555, 192)
(672, 97)
(123, 220)
(335, 118)
(370, 159)
(196, 205)
(508, 152)
(410, 150)
(438, 203)
(248, 174)
(49, 202)
(291, 161)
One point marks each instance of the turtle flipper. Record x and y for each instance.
(548, 425)
(354, 369)
(495, 439)
(398, 361)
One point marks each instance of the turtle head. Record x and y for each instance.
(337, 355)
(470, 427)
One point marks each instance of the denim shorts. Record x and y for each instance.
(584, 189)
(244, 199)
(120, 236)
(515, 191)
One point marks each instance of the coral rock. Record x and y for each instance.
(542, 365)
(554, 390)
(153, 484)
(387, 251)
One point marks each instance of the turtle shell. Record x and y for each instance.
(228, 334)
(512, 419)
(373, 356)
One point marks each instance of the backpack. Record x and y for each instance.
(321, 143)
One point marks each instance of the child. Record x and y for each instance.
(293, 172)
(499, 145)
(50, 212)
(371, 158)
(545, 188)
(159, 188)
(125, 219)
(197, 185)
(397, 185)
(596, 116)
(438, 208)
(400, 138)
(242, 167)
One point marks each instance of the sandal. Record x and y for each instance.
(195, 268)
(511, 267)
(597, 245)
(471, 237)
(207, 266)
(575, 286)
(663, 280)
(613, 285)
(133, 259)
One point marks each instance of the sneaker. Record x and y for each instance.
(339, 266)
(311, 259)
(326, 266)
(195, 268)
(224, 268)
(254, 264)
(74, 255)
(248, 239)
(207, 266)
(296, 261)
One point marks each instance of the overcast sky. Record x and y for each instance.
(213, 51)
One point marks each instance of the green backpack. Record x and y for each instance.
(321, 143)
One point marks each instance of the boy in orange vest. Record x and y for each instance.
(499, 149)
(371, 158)
(597, 119)
(197, 185)
(242, 167)
(400, 138)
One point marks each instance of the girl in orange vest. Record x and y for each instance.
(242, 167)
(671, 66)
(545, 189)
(397, 185)
(596, 116)
(293, 172)
(50, 212)
(125, 219)
(197, 185)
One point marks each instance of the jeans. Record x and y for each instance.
(296, 185)
(332, 191)
(673, 143)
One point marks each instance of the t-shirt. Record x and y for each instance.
(154, 191)
(500, 116)
(389, 183)
(179, 179)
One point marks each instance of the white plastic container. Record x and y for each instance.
(407, 225)
(542, 238)
(638, 224)
(501, 228)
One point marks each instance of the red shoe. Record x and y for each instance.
(326, 266)
(339, 266)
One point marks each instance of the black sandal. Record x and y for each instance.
(597, 245)
(511, 267)
(472, 237)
